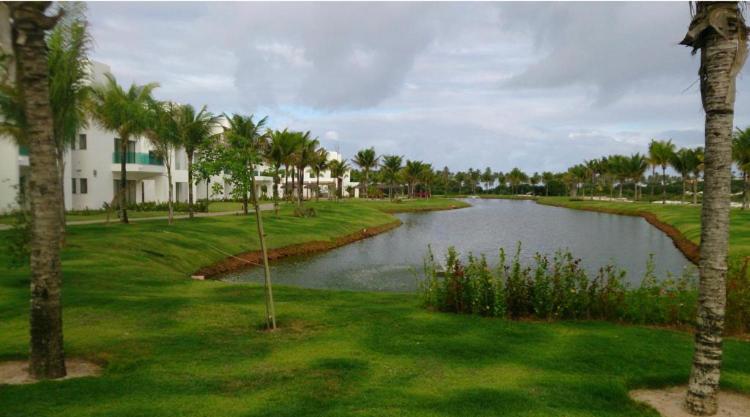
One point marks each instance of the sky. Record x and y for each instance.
(539, 86)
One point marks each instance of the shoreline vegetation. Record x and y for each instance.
(170, 345)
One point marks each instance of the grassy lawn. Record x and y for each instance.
(178, 347)
(685, 218)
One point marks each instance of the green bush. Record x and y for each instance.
(200, 206)
(555, 288)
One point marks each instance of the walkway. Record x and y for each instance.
(115, 219)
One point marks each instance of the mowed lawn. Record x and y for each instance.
(177, 347)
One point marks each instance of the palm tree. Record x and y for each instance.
(427, 177)
(338, 170)
(460, 178)
(366, 160)
(319, 164)
(741, 156)
(445, 179)
(163, 133)
(661, 153)
(718, 29)
(547, 178)
(304, 157)
(535, 180)
(277, 153)
(124, 112)
(616, 167)
(245, 147)
(391, 168)
(30, 23)
(682, 162)
(68, 45)
(515, 177)
(412, 174)
(488, 178)
(636, 165)
(194, 130)
(651, 160)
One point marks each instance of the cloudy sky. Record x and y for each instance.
(539, 86)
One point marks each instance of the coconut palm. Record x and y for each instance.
(741, 156)
(412, 174)
(303, 158)
(682, 162)
(245, 144)
(195, 128)
(547, 178)
(488, 178)
(697, 170)
(279, 152)
(319, 164)
(617, 170)
(68, 45)
(124, 112)
(636, 165)
(338, 171)
(391, 168)
(516, 177)
(366, 160)
(427, 177)
(718, 29)
(164, 134)
(30, 24)
(661, 153)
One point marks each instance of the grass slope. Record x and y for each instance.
(177, 347)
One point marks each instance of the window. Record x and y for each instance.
(82, 141)
(84, 186)
(73, 185)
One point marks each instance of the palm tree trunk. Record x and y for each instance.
(695, 190)
(663, 184)
(684, 189)
(366, 182)
(61, 165)
(276, 181)
(720, 62)
(122, 197)
(317, 187)
(653, 180)
(190, 183)
(744, 190)
(620, 189)
(46, 357)
(270, 310)
(171, 192)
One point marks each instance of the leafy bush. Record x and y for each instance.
(304, 212)
(555, 288)
(200, 206)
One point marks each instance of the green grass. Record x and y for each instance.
(178, 347)
(685, 218)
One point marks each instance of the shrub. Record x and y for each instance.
(557, 288)
(304, 212)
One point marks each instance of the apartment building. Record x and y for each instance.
(92, 171)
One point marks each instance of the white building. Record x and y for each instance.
(92, 171)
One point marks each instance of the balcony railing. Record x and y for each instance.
(137, 158)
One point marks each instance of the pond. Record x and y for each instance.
(393, 261)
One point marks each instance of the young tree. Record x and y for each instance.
(719, 31)
(242, 153)
(29, 25)
(366, 160)
(338, 170)
(163, 132)
(124, 112)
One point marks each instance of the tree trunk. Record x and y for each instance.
(317, 187)
(61, 165)
(122, 197)
(46, 356)
(171, 193)
(300, 184)
(663, 184)
(653, 180)
(721, 59)
(270, 311)
(744, 190)
(620, 189)
(695, 190)
(684, 189)
(366, 184)
(190, 183)
(276, 181)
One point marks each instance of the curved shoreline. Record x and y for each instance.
(686, 246)
(255, 258)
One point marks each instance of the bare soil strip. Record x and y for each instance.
(17, 372)
(669, 402)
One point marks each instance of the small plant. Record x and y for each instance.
(304, 212)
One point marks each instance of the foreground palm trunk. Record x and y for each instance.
(190, 184)
(47, 358)
(122, 195)
(270, 310)
(719, 31)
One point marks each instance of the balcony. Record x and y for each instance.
(137, 158)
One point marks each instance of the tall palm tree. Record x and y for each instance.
(68, 45)
(661, 153)
(412, 174)
(445, 179)
(718, 29)
(616, 167)
(29, 24)
(682, 162)
(366, 160)
(460, 178)
(741, 156)
(697, 170)
(319, 164)
(391, 168)
(637, 165)
(195, 128)
(427, 177)
(338, 170)
(163, 133)
(516, 177)
(488, 178)
(246, 140)
(276, 155)
(305, 156)
(651, 160)
(124, 112)
(547, 178)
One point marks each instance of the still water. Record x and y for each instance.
(392, 261)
